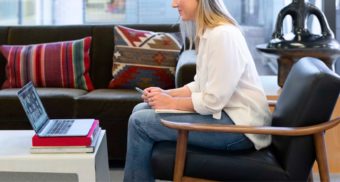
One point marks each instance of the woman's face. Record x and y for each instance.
(186, 8)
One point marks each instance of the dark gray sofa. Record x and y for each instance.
(111, 106)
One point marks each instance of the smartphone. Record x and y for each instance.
(139, 90)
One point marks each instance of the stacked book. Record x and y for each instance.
(69, 144)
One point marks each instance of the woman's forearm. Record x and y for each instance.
(179, 92)
(184, 104)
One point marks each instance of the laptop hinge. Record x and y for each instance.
(43, 126)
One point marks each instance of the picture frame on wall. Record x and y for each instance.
(98, 11)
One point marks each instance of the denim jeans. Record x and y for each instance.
(144, 129)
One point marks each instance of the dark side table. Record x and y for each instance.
(286, 57)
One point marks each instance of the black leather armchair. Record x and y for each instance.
(299, 121)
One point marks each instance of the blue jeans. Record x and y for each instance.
(145, 128)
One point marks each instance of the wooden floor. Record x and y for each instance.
(332, 136)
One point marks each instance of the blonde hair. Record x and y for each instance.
(210, 13)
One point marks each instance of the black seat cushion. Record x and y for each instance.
(217, 164)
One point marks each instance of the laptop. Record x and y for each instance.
(42, 125)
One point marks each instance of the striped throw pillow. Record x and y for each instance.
(144, 58)
(58, 64)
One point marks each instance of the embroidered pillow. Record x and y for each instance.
(144, 58)
(58, 64)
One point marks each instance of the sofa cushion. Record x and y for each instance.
(107, 103)
(59, 64)
(3, 40)
(101, 59)
(58, 102)
(144, 58)
(218, 161)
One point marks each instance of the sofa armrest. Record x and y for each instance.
(337, 67)
(186, 68)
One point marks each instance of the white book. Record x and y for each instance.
(172, 111)
(67, 149)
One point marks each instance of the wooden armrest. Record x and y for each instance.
(285, 131)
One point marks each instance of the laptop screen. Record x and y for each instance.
(32, 105)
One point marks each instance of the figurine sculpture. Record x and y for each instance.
(300, 11)
(302, 43)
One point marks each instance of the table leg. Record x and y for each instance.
(102, 163)
(284, 64)
(86, 176)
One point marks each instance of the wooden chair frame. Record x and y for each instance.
(184, 128)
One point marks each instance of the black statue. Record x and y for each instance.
(303, 43)
(300, 11)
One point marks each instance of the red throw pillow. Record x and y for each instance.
(58, 64)
(144, 58)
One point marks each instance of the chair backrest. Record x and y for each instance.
(308, 97)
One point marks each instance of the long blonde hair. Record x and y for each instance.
(210, 13)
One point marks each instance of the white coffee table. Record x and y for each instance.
(15, 156)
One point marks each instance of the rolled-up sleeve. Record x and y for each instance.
(225, 67)
(193, 87)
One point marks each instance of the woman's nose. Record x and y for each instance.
(175, 3)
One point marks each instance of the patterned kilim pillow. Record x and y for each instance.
(144, 58)
(58, 64)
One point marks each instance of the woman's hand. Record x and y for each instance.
(158, 98)
(150, 90)
(154, 89)
(161, 100)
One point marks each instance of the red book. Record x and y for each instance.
(67, 141)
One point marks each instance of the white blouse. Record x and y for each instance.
(226, 79)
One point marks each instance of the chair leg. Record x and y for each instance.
(181, 149)
(321, 156)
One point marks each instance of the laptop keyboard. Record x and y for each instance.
(60, 127)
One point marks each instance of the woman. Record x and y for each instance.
(226, 90)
